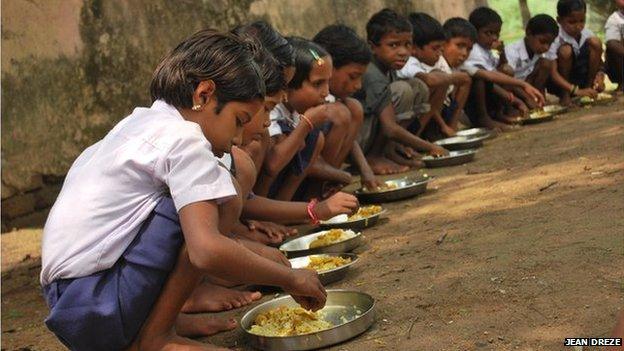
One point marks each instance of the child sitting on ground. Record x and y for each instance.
(527, 56)
(391, 105)
(117, 269)
(576, 55)
(492, 77)
(350, 56)
(614, 37)
(428, 65)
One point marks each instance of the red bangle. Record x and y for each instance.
(307, 120)
(310, 208)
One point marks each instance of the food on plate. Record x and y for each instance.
(325, 263)
(365, 212)
(331, 237)
(288, 321)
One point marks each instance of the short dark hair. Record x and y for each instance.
(304, 59)
(208, 55)
(483, 16)
(566, 7)
(271, 70)
(459, 27)
(344, 45)
(384, 22)
(542, 24)
(425, 29)
(272, 40)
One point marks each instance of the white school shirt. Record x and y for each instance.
(519, 60)
(414, 66)
(115, 184)
(281, 113)
(565, 38)
(614, 28)
(480, 58)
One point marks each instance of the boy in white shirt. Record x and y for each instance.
(614, 37)
(428, 65)
(136, 227)
(527, 56)
(492, 77)
(577, 55)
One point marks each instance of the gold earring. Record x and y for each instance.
(196, 107)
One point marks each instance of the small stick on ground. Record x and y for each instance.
(441, 239)
(548, 186)
(409, 331)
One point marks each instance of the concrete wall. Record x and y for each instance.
(72, 68)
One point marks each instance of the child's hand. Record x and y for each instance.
(275, 232)
(339, 203)
(370, 182)
(587, 92)
(599, 84)
(521, 106)
(437, 150)
(534, 94)
(305, 287)
(272, 254)
(448, 131)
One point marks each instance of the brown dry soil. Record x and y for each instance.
(532, 250)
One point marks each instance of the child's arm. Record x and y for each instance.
(286, 147)
(218, 255)
(368, 178)
(396, 132)
(287, 212)
(503, 79)
(558, 79)
(509, 98)
(616, 46)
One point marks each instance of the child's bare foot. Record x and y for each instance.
(173, 342)
(496, 126)
(192, 325)
(208, 297)
(381, 165)
(449, 131)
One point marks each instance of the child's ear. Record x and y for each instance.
(204, 91)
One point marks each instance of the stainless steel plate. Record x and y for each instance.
(301, 246)
(536, 120)
(453, 159)
(405, 188)
(358, 224)
(331, 275)
(556, 109)
(351, 312)
(461, 142)
(476, 132)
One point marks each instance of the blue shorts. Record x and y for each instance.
(105, 310)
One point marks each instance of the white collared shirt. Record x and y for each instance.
(614, 28)
(518, 58)
(565, 38)
(480, 58)
(114, 185)
(281, 113)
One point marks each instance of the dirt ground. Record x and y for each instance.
(533, 252)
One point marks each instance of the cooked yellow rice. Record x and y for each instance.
(331, 237)
(366, 211)
(325, 263)
(288, 321)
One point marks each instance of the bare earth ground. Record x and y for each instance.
(533, 252)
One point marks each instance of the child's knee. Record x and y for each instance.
(565, 52)
(595, 44)
(401, 91)
(543, 66)
(339, 115)
(357, 111)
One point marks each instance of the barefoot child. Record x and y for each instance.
(527, 56)
(427, 64)
(576, 55)
(118, 267)
(492, 76)
(297, 127)
(390, 105)
(614, 37)
(350, 56)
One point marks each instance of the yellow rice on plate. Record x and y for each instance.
(288, 321)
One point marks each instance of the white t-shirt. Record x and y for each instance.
(614, 28)
(480, 58)
(565, 38)
(414, 66)
(115, 184)
(281, 113)
(518, 58)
